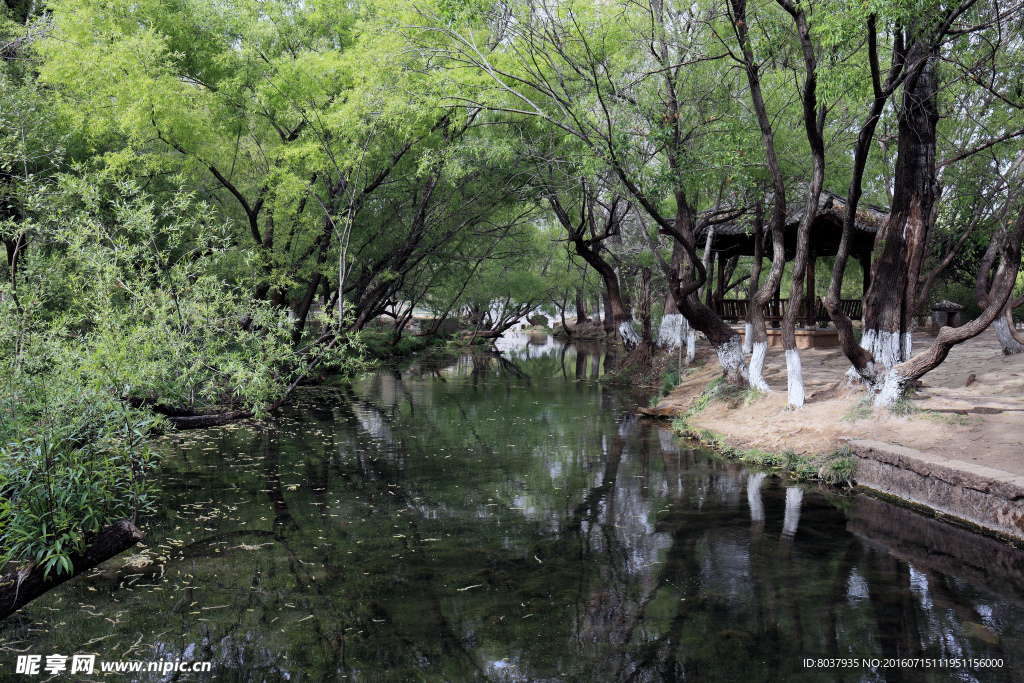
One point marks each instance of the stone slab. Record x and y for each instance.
(990, 498)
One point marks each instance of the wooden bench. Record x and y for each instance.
(735, 310)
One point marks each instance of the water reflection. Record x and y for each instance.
(507, 518)
(794, 496)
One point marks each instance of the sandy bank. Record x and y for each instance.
(971, 408)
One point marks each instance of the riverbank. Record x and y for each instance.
(967, 413)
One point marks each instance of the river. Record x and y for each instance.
(513, 520)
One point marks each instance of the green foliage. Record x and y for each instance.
(409, 345)
(763, 459)
(124, 302)
(83, 467)
(717, 389)
(669, 381)
(903, 407)
(863, 409)
(374, 156)
(837, 467)
(159, 310)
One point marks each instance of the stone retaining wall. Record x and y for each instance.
(990, 498)
(930, 544)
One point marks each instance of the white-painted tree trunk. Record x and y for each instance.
(757, 355)
(795, 379)
(672, 332)
(748, 338)
(887, 347)
(691, 345)
(889, 390)
(1009, 345)
(730, 355)
(629, 336)
(754, 481)
(794, 496)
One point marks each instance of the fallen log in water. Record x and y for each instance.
(212, 420)
(20, 587)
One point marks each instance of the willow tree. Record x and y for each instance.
(758, 338)
(33, 139)
(311, 125)
(591, 215)
(640, 87)
(925, 40)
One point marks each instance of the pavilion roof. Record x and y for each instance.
(736, 237)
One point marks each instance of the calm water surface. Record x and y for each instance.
(493, 520)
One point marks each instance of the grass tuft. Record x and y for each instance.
(861, 410)
(835, 468)
(903, 407)
(752, 395)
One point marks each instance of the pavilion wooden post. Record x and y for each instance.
(865, 264)
(719, 284)
(776, 310)
(706, 292)
(812, 303)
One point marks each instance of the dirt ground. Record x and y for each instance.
(970, 408)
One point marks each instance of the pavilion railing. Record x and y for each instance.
(735, 310)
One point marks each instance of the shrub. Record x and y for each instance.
(84, 470)
(669, 381)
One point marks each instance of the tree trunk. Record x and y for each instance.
(15, 251)
(894, 383)
(561, 314)
(302, 309)
(756, 330)
(721, 336)
(758, 333)
(858, 355)
(901, 241)
(641, 354)
(624, 321)
(212, 420)
(609, 319)
(706, 293)
(814, 125)
(672, 331)
(20, 587)
(1003, 326)
(581, 308)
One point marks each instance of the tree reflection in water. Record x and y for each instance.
(508, 518)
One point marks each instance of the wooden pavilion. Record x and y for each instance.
(736, 239)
